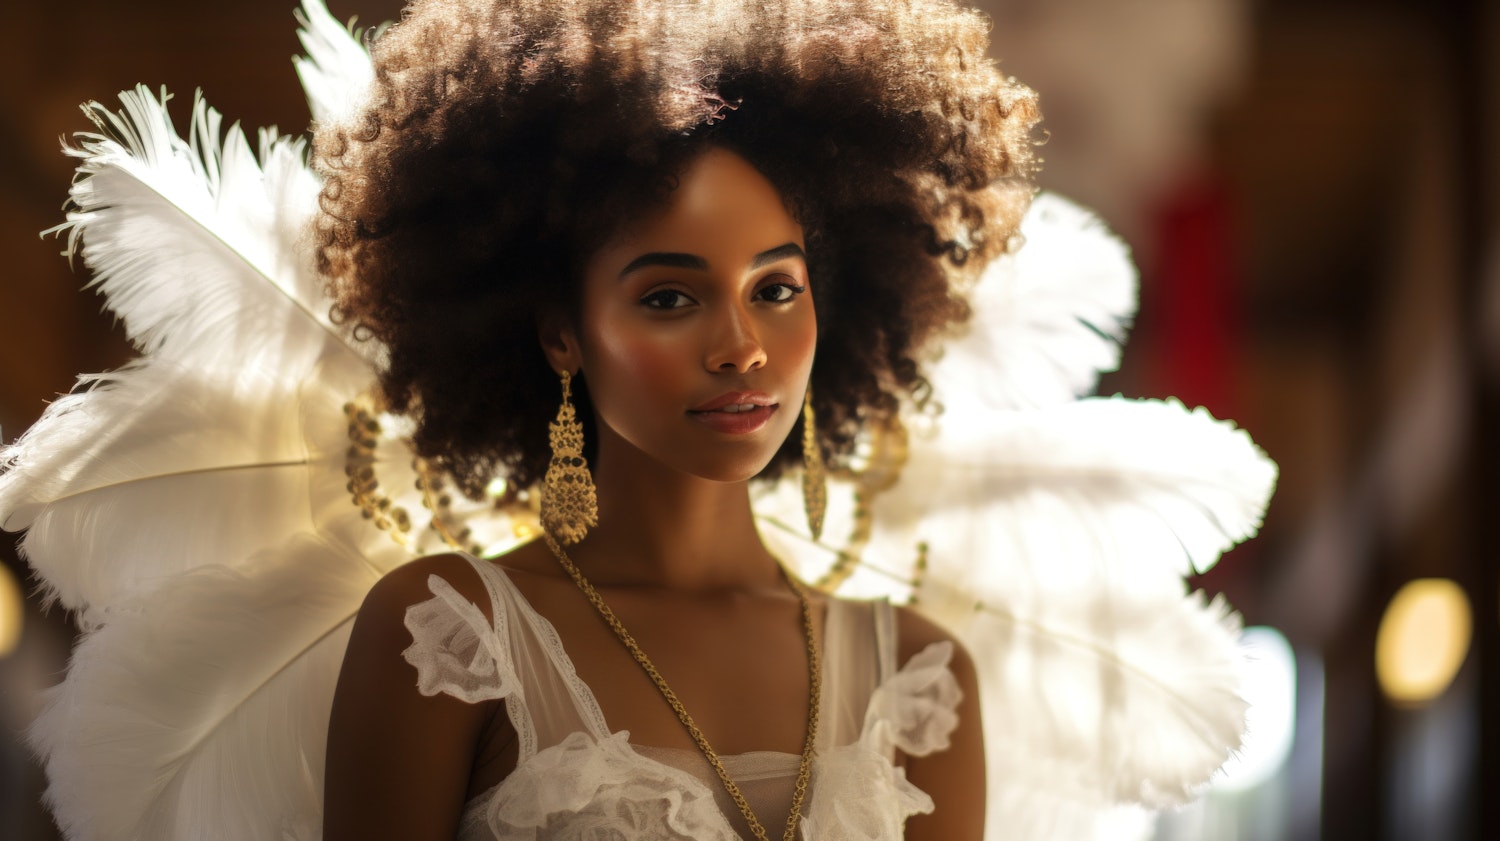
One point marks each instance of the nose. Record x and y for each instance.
(734, 345)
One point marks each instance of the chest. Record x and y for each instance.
(739, 666)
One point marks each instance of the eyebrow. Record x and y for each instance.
(679, 260)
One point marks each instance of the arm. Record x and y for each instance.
(954, 778)
(398, 762)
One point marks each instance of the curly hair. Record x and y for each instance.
(504, 140)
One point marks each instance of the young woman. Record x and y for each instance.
(687, 231)
(640, 256)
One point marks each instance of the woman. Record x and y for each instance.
(713, 223)
(643, 257)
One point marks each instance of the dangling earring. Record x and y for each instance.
(569, 506)
(814, 473)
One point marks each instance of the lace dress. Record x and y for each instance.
(575, 779)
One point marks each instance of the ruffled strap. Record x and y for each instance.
(861, 796)
(916, 709)
(455, 650)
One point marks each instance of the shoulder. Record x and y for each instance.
(915, 633)
(405, 723)
(945, 752)
(411, 583)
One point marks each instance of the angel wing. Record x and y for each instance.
(235, 462)
(194, 244)
(169, 503)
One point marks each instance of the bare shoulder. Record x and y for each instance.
(915, 632)
(410, 584)
(954, 776)
(399, 758)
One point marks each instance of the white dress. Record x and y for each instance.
(577, 779)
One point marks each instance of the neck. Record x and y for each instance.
(660, 527)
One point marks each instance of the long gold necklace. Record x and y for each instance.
(804, 770)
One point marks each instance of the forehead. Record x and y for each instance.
(722, 209)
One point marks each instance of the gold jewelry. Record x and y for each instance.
(569, 507)
(804, 770)
(814, 472)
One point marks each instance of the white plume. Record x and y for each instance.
(205, 703)
(1057, 541)
(1108, 698)
(196, 452)
(1054, 543)
(195, 244)
(1102, 489)
(1047, 319)
(336, 72)
(149, 466)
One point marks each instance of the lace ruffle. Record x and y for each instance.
(454, 648)
(916, 709)
(586, 790)
(859, 795)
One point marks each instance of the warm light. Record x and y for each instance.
(1423, 640)
(1270, 687)
(11, 608)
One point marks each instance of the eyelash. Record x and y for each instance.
(664, 295)
(792, 287)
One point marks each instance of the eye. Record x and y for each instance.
(665, 299)
(780, 293)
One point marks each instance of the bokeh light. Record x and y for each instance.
(12, 608)
(1423, 639)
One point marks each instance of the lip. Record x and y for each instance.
(736, 423)
(754, 398)
(743, 422)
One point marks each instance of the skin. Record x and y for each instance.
(675, 554)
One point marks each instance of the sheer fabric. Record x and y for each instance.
(575, 779)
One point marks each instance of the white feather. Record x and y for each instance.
(167, 467)
(1106, 698)
(1046, 319)
(194, 244)
(1110, 490)
(336, 73)
(1056, 543)
(205, 704)
(196, 453)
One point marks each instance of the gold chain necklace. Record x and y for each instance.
(804, 769)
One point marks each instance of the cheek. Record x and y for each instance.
(797, 343)
(631, 360)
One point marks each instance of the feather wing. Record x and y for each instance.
(196, 452)
(1054, 543)
(193, 507)
(1057, 541)
(204, 703)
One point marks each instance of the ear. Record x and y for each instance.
(559, 340)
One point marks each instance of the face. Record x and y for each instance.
(697, 328)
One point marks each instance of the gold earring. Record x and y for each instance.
(814, 473)
(569, 506)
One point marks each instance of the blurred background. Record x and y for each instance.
(1310, 188)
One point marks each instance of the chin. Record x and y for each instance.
(729, 472)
